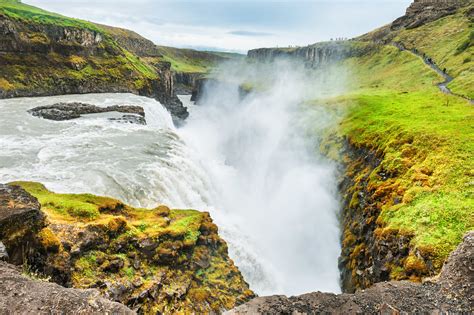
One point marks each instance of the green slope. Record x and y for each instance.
(422, 136)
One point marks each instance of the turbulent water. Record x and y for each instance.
(252, 161)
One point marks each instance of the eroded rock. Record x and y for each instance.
(20, 220)
(68, 111)
(21, 295)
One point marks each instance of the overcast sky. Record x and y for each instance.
(234, 25)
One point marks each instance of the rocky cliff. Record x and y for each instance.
(42, 53)
(317, 55)
(158, 260)
(452, 292)
(424, 11)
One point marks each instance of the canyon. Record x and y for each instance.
(346, 147)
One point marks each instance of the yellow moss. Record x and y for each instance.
(198, 295)
(162, 211)
(49, 240)
(77, 60)
(415, 265)
(5, 85)
(117, 224)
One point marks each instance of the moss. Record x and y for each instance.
(5, 85)
(415, 266)
(49, 240)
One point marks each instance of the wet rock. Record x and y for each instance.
(20, 220)
(21, 295)
(68, 111)
(452, 293)
(130, 119)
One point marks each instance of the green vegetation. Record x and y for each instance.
(449, 41)
(188, 60)
(19, 11)
(174, 255)
(424, 140)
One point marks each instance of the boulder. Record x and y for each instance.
(22, 295)
(20, 220)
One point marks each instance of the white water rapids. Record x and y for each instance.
(252, 162)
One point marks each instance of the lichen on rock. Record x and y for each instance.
(152, 260)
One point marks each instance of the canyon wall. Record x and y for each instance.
(317, 55)
(41, 59)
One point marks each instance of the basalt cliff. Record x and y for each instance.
(43, 53)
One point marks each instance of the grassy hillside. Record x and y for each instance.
(20, 11)
(450, 42)
(423, 186)
(47, 64)
(426, 140)
(193, 61)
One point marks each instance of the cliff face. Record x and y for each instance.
(45, 54)
(424, 11)
(317, 55)
(157, 260)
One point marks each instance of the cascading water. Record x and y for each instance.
(273, 187)
(252, 161)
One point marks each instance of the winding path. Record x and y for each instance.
(443, 86)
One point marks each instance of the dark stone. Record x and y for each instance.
(113, 266)
(68, 111)
(20, 220)
(21, 295)
(424, 11)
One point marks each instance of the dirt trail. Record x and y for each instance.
(443, 86)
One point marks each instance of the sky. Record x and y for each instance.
(231, 25)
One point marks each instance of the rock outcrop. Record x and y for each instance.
(153, 261)
(20, 221)
(186, 83)
(452, 292)
(424, 11)
(317, 55)
(68, 111)
(22, 295)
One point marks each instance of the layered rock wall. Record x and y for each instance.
(317, 55)
(45, 59)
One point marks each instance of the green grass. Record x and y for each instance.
(394, 107)
(191, 61)
(449, 41)
(90, 208)
(19, 11)
(80, 206)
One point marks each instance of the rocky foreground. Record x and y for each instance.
(451, 292)
(22, 295)
(150, 260)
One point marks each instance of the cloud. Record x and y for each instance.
(249, 33)
(234, 25)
